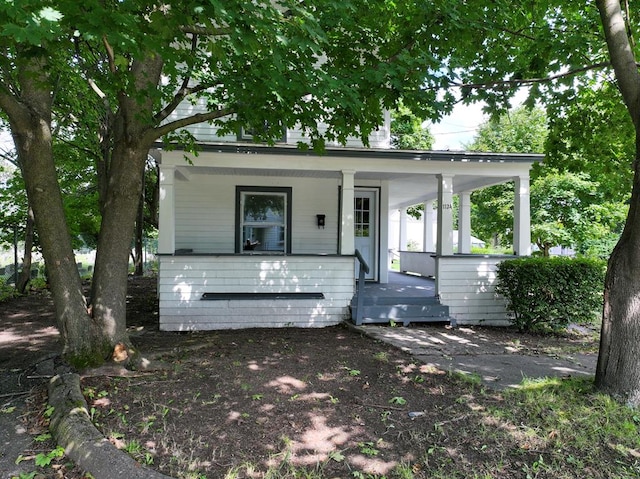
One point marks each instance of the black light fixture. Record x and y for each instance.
(321, 220)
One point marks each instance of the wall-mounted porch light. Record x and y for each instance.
(321, 220)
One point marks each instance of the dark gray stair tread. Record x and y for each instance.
(390, 300)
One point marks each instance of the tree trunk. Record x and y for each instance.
(25, 274)
(132, 139)
(618, 369)
(114, 244)
(30, 121)
(153, 199)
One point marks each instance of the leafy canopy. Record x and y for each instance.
(408, 132)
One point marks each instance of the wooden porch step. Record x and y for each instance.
(385, 309)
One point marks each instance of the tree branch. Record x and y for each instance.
(182, 93)
(10, 156)
(627, 11)
(15, 110)
(621, 55)
(190, 120)
(211, 32)
(87, 151)
(110, 54)
(529, 81)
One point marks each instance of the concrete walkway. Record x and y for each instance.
(464, 350)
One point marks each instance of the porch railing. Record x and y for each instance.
(364, 269)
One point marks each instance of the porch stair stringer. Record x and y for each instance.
(405, 310)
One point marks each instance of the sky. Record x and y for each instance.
(5, 140)
(458, 128)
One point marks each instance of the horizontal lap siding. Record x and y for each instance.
(311, 197)
(183, 280)
(205, 132)
(205, 214)
(467, 286)
(206, 207)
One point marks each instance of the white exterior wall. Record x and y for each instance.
(418, 262)
(204, 132)
(183, 280)
(206, 208)
(467, 285)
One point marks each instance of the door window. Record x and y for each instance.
(362, 217)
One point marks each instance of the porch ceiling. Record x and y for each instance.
(404, 189)
(412, 189)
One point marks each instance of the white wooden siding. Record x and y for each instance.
(183, 280)
(204, 132)
(467, 285)
(205, 208)
(422, 263)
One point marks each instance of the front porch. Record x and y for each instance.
(463, 292)
(310, 214)
(405, 299)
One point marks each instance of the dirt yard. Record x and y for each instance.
(237, 403)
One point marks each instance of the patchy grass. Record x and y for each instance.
(282, 404)
(331, 404)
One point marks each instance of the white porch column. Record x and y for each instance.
(444, 246)
(464, 222)
(384, 233)
(347, 240)
(427, 234)
(167, 213)
(402, 246)
(522, 218)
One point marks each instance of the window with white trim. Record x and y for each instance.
(250, 134)
(263, 220)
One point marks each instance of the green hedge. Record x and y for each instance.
(6, 291)
(549, 293)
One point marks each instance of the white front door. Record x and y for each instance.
(366, 230)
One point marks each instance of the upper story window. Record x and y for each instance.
(249, 134)
(263, 219)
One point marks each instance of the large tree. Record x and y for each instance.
(408, 131)
(261, 65)
(559, 52)
(618, 370)
(594, 135)
(571, 205)
(520, 130)
(341, 62)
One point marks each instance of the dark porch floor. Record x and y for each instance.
(405, 299)
(402, 285)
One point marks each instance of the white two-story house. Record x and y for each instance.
(265, 236)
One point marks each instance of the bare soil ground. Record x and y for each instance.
(331, 401)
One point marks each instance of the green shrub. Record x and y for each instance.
(6, 291)
(38, 283)
(549, 293)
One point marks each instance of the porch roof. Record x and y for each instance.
(411, 174)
